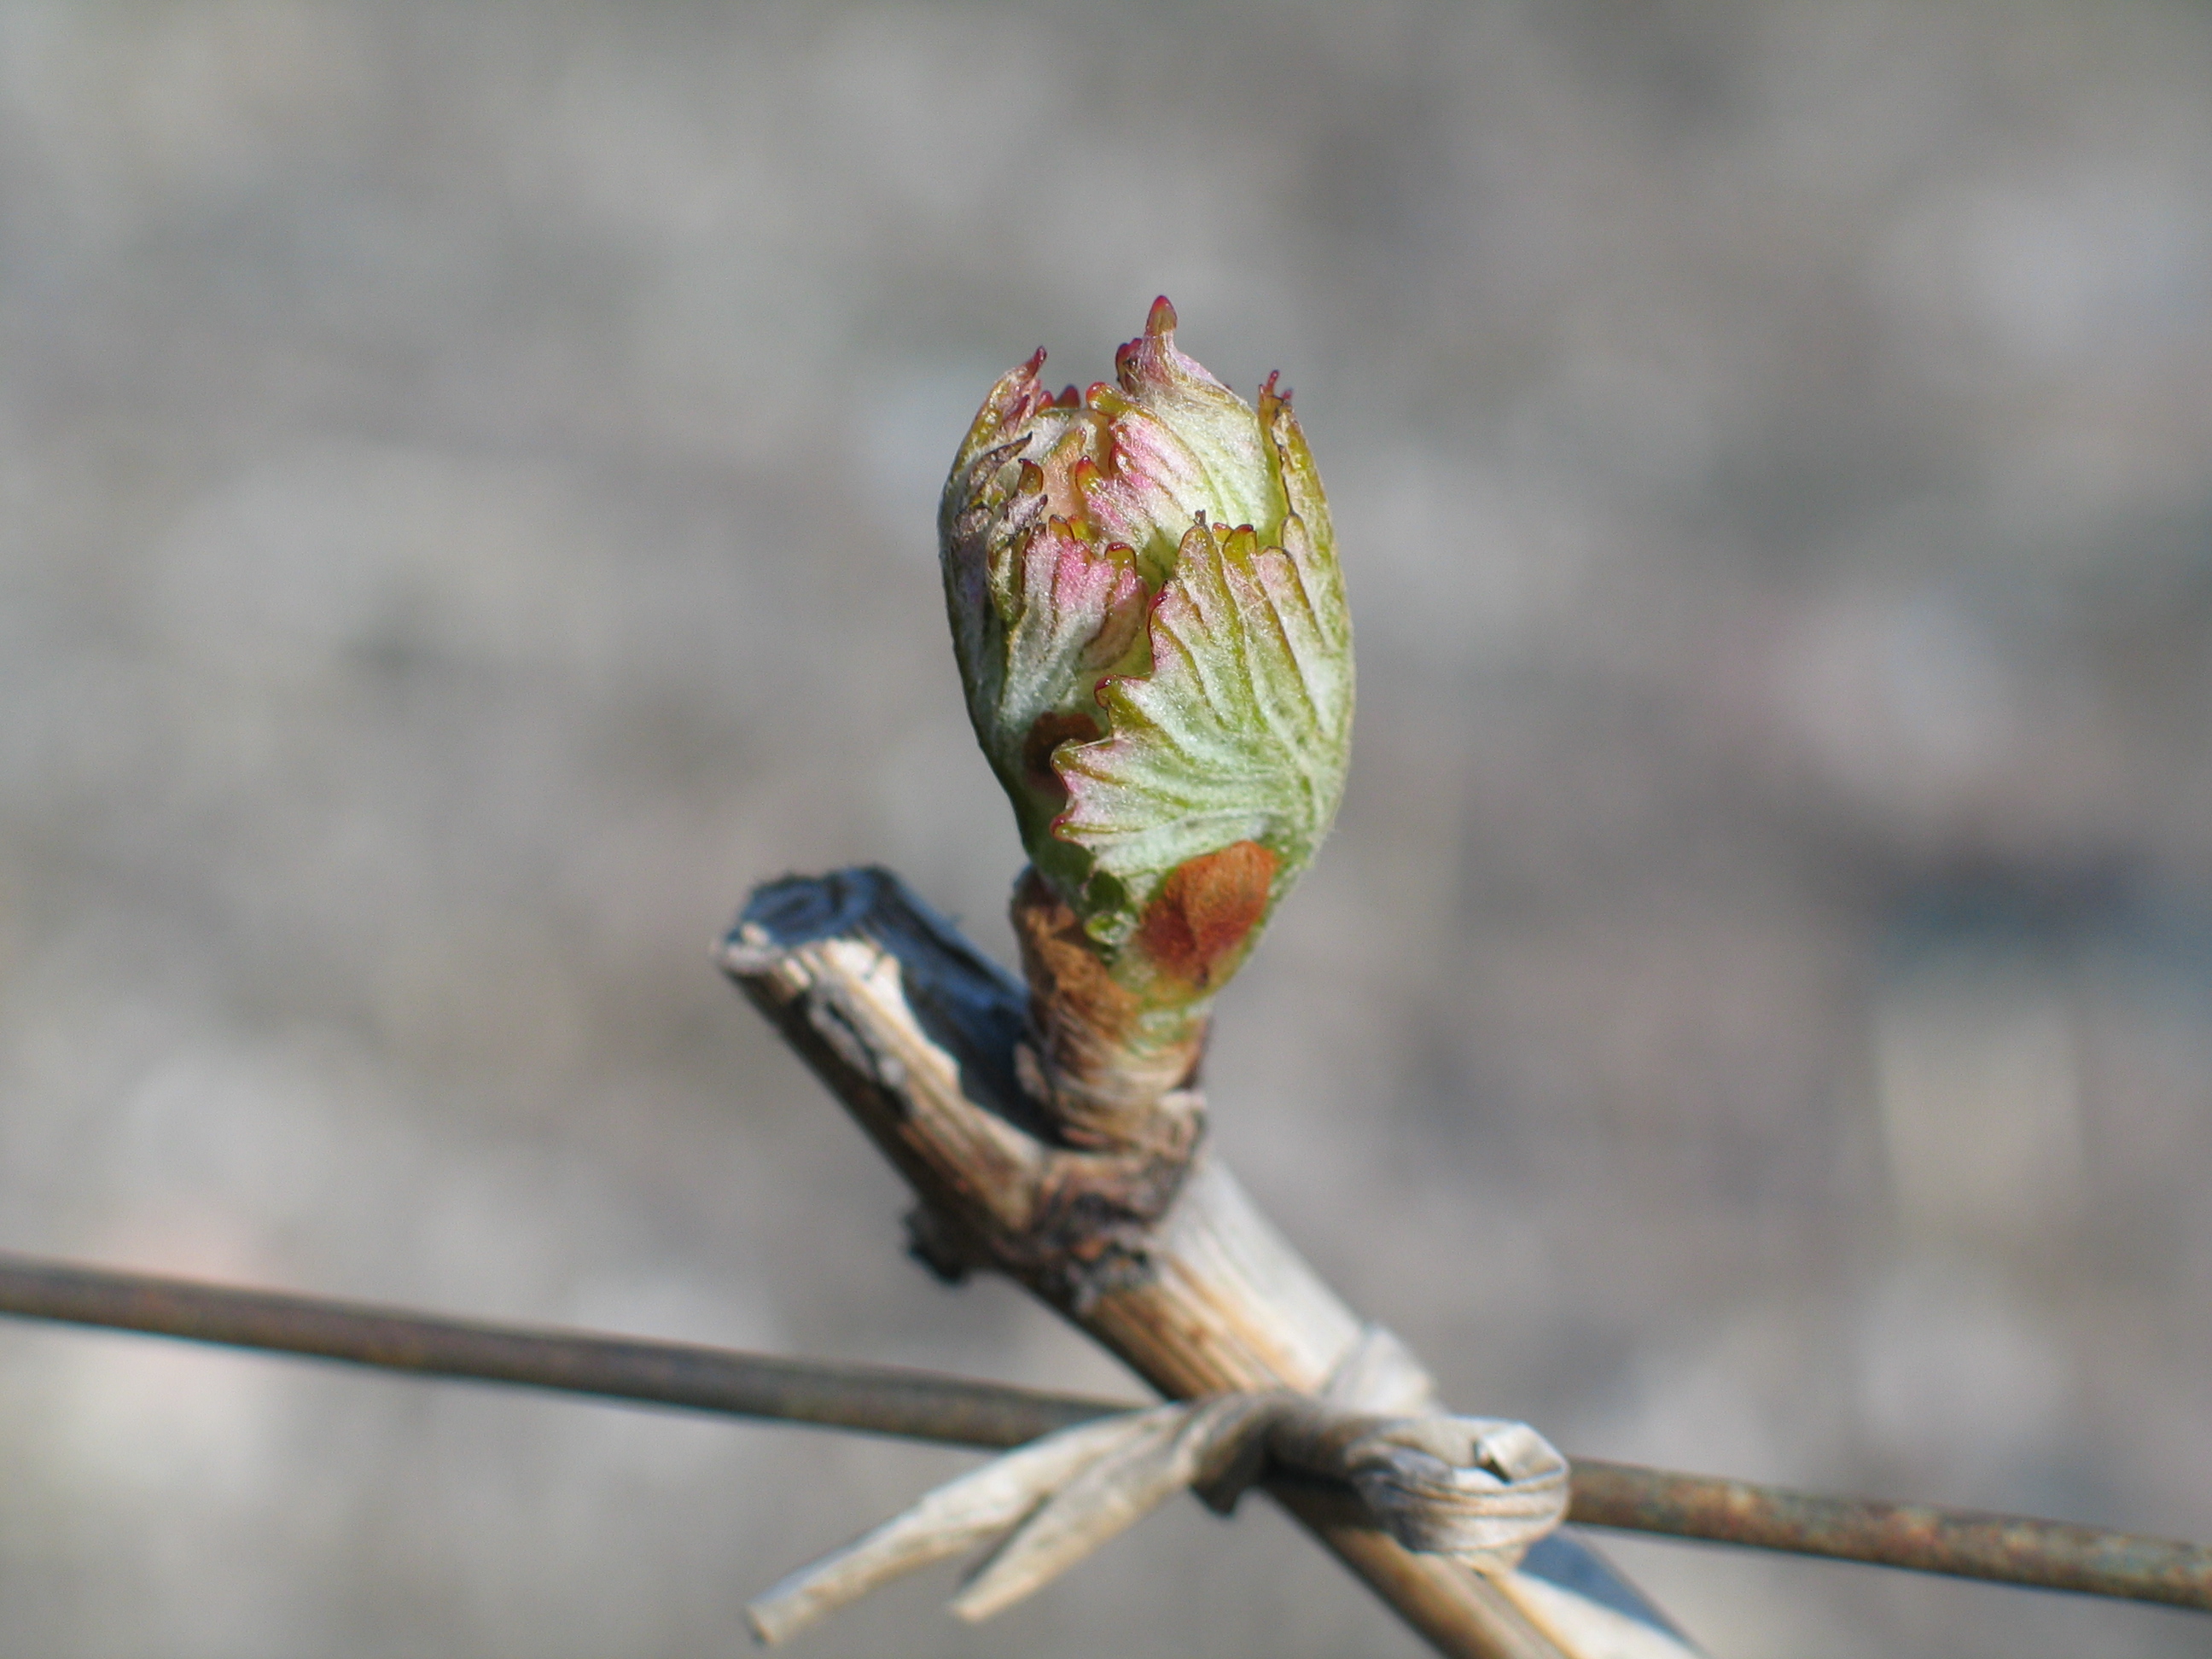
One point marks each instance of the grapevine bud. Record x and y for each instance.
(1152, 632)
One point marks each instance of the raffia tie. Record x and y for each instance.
(1478, 1490)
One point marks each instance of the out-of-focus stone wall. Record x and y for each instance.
(466, 479)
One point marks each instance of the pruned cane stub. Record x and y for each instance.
(842, 971)
(1200, 1294)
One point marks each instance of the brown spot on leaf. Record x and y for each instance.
(1047, 734)
(1206, 909)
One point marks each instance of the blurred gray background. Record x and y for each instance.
(466, 480)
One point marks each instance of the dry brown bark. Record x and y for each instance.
(1150, 1245)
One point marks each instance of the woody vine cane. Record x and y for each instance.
(1151, 624)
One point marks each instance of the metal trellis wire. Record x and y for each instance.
(955, 1411)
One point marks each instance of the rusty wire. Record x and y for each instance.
(926, 1406)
